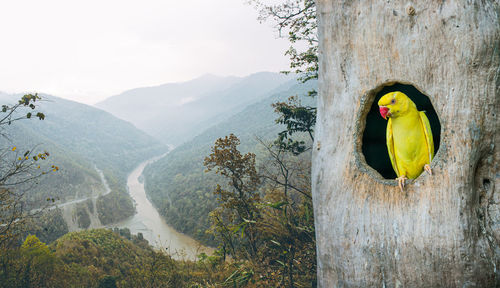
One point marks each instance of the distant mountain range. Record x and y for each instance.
(175, 112)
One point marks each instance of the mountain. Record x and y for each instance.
(176, 112)
(177, 183)
(82, 140)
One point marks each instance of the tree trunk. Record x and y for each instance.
(444, 229)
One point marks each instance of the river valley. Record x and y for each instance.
(147, 220)
(153, 227)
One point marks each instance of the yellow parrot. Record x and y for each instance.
(409, 136)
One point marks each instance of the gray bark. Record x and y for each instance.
(444, 229)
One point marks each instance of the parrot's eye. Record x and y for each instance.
(393, 101)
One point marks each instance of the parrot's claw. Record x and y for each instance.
(401, 182)
(427, 168)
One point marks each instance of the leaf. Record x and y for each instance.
(277, 205)
(40, 115)
(276, 242)
(242, 231)
(307, 213)
(232, 275)
(249, 221)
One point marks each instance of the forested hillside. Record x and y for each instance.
(100, 258)
(79, 139)
(177, 183)
(176, 112)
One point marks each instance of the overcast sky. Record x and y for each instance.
(89, 50)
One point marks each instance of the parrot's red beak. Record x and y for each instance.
(384, 111)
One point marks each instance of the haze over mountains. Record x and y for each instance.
(175, 112)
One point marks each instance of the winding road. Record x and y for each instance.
(147, 220)
(76, 201)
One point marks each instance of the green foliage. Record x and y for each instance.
(102, 254)
(114, 207)
(31, 265)
(11, 113)
(284, 254)
(125, 232)
(101, 258)
(49, 226)
(297, 119)
(39, 262)
(107, 282)
(298, 19)
(288, 225)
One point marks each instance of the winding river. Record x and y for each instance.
(153, 227)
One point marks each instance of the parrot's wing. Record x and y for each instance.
(428, 135)
(390, 146)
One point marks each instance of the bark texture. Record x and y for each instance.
(444, 230)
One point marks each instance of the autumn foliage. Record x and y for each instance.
(264, 219)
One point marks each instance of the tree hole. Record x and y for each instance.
(374, 136)
(486, 184)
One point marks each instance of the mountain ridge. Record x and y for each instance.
(159, 110)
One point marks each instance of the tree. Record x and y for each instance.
(296, 19)
(288, 222)
(33, 264)
(38, 263)
(107, 282)
(264, 218)
(238, 211)
(297, 119)
(18, 170)
(443, 230)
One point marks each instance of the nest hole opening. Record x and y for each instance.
(374, 146)
(486, 184)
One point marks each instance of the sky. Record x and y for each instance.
(89, 50)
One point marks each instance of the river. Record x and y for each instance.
(153, 227)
